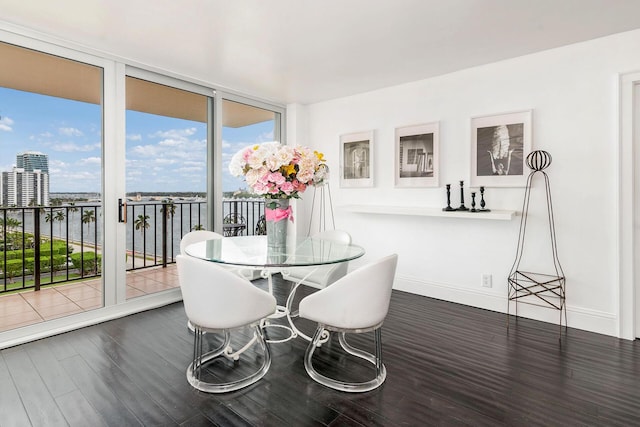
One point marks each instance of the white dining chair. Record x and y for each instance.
(356, 303)
(323, 276)
(219, 301)
(196, 236)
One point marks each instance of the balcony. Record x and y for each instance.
(67, 280)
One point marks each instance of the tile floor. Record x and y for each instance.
(29, 307)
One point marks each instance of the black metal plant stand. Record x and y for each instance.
(547, 290)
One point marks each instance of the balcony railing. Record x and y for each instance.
(66, 239)
(62, 238)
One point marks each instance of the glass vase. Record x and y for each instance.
(277, 213)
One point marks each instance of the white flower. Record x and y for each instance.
(276, 170)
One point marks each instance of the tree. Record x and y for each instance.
(72, 211)
(142, 223)
(49, 217)
(13, 223)
(10, 224)
(168, 207)
(88, 217)
(197, 227)
(59, 216)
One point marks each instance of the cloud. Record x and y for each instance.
(170, 143)
(193, 163)
(70, 147)
(70, 132)
(162, 161)
(175, 133)
(91, 160)
(6, 124)
(134, 137)
(145, 150)
(189, 169)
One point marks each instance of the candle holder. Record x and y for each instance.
(482, 202)
(462, 206)
(448, 208)
(473, 202)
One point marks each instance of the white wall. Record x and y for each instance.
(573, 93)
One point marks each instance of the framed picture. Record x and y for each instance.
(499, 146)
(356, 160)
(416, 155)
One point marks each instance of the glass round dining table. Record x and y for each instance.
(253, 252)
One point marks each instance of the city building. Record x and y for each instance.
(33, 160)
(27, 184)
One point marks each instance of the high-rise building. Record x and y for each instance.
(33, 160)
(28, 183)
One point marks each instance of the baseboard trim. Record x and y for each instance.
(577, 317)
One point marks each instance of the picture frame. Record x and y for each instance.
(356, 160)
(417, 155)
(499, 146)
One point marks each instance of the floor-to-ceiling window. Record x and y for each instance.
(243, 125)
(103, 167)
(50, 186)
(166, 178)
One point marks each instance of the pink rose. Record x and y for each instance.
(287, 188)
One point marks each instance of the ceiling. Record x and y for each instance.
(306, 51)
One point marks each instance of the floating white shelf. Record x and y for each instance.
(425, 211)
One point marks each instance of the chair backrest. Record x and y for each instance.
(320, 277)
(219, 299)
(197, 236)
(358, 300)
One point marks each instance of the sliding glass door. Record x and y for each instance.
(244, 124)
(167, 135)
(51, 115)
(103, 168)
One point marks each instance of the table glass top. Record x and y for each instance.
(253, 251)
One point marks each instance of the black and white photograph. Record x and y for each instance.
(416, 154)
(500, 144)
(356, 152)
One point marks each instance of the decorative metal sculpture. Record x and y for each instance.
(547, 290)
(321, 210)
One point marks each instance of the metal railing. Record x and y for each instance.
(154, 230)
(33, 254)
(67, 239)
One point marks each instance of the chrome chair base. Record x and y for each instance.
(201, 360)
(351, 387)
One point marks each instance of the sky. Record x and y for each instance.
(162, 153)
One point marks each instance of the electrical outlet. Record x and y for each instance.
(486, 281)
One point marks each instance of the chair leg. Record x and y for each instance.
(352, 387)
(200, 360)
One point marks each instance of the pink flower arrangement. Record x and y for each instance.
(278, 171)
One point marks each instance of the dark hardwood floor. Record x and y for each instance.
(447, 364)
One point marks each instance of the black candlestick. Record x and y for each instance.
(482, 203)
(462, 206)
(473, 202)
(448, 208)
